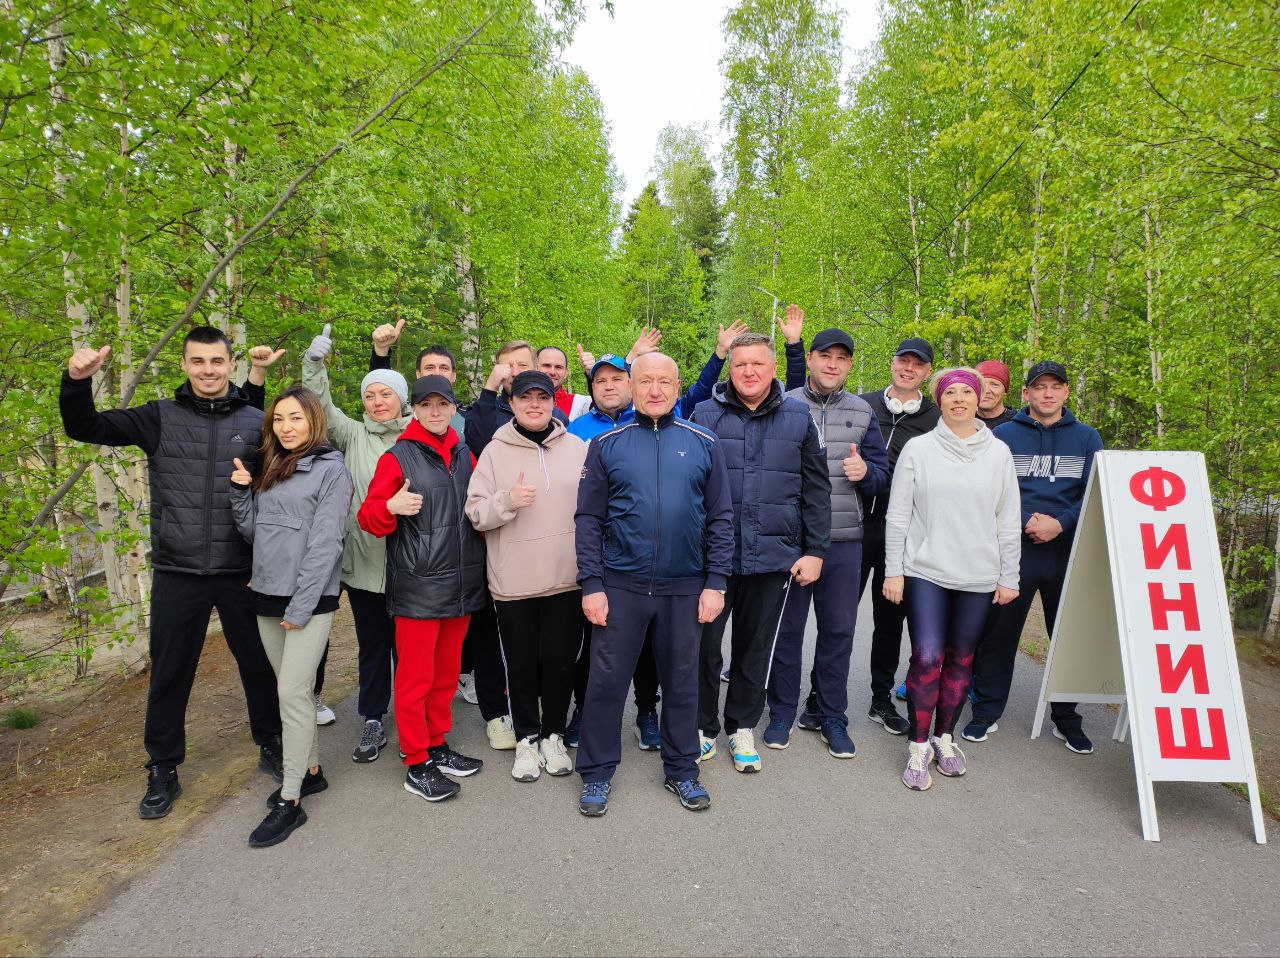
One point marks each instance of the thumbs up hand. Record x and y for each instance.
(386, 336)
(240, 477)
(322, 345)
(404, 502)
(855, 467)
(522, 495)
(84, 363)
(264, 356)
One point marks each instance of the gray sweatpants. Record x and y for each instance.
(294, 655)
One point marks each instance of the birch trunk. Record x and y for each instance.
(1271, 626)
(917, 265)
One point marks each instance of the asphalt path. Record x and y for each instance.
(1035, 851)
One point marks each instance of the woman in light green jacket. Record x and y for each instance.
(364, 559)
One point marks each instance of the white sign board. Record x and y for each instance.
(1144, 622)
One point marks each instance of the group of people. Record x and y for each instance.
(544, 553)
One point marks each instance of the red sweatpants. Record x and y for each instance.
(430, 653)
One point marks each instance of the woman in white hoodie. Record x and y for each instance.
(952, 547)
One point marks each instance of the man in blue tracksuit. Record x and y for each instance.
(1053, 453)
(655, 548)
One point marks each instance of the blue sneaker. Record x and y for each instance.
(647, 731)
(691, 794)
(573, 731)
(810, 718)
(777, 734)
(900, 693)
(595, 799)
(836, 735)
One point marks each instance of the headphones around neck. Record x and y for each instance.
(897, 406)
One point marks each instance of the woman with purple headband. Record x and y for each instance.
(952, 546)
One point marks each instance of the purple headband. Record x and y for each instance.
(957, 376)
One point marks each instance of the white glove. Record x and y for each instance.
(321, 346)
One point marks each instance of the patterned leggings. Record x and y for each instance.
(945, 626)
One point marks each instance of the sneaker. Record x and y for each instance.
(324, 714)
(777, 734)
(1075, 740)
(917, 777)
(281, 822)
(706, 748)
(453, 763)
(555, 757)
(979, 731)
(810, 717)
(690, 792)
(900, 693)
(724, 676)
(372, 741)
(594, 800)
(310, 785)
(528, 763)
(467, 688)
(948, 757)
(162, 789)
(271, 760)
(887, 715)
(836, 735)
(427, 781)
(742, 744)
(573, 731)
(647, 733)
(502, 737)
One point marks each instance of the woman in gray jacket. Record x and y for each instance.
(294, 513)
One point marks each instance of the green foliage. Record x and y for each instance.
(20, 718)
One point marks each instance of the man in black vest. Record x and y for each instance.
(199, 561)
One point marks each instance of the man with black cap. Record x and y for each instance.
(1052, 453)
(858, 466)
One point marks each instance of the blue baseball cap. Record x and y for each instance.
(608, 359)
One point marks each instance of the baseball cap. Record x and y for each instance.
(432, 386)
(609, 359)
(916, 347)
(831, 337)
(994, 369)
(532, 379)
(1047, 367)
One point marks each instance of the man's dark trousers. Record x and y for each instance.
(615, 650)
(886, 618)
(755, 601)
(1043, 570)
(835, 598)
(646, 677)
(180, 607)
(482, 654)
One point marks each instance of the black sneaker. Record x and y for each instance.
(271, 759)
(162, 788)
(427, 781)
(887, 715)
(810, 718)
(979, 730)
(310, 785)
(453, 763)
(372, 741)
(1075, 740)
(284, 817)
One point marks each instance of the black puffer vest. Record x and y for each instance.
(435, 560)
(192, 529)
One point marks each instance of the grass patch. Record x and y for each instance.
(22, 718)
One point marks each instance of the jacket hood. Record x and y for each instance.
(318, 454)
(962, 450)
(814, 396)
(726, 395)
(1023, 418)
(511, 436)
(392, 427)
(233, 400)
(416, 432)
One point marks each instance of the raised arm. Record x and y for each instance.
(343, 430)
(83, 422)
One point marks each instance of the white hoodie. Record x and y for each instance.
(955, 514)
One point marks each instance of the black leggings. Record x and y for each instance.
(945, 625)
(540, 638)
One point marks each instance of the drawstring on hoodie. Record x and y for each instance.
(542, 464)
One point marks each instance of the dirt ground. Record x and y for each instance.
(69, 830)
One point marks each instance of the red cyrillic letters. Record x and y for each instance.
(1191, 661)
(1175, 540)
(1162, 605)
(1218, 748)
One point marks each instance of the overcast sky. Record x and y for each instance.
(657, 62)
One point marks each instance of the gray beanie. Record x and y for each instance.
(389, 378)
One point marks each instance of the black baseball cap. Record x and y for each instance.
(431, 386)
(831, 337)
(532, 379)
(916, 347)
(1047, 367)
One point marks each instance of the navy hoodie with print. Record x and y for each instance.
(1053, 464)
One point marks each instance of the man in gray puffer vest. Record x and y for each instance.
(858, 465)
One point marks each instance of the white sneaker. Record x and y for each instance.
(742, 744)
(555, 756)
(502, 736)
(467, 688)
(528, 764)
(324, 714)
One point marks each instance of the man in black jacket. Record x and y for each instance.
(199, 561)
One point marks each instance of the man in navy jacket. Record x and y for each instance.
(655, 547)
(1053, 453)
